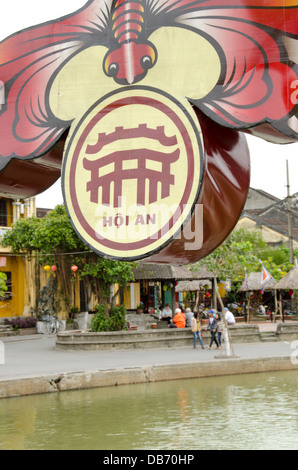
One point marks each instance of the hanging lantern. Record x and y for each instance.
(47, 269)
(74, 270)
(54, 269)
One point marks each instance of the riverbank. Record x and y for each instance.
(34, 366)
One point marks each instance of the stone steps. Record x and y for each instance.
(5, 330)
(269, 336)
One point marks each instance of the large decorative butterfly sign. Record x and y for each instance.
(144, 106)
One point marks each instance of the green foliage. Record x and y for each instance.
(107, 273)
(74, 310)
(278, 271)
(22, 238)
(49, 236)
(3, 286)
(55, 241)
(55, 234)
(244, 249)
(117, 318)
(241, 249)
(115, 321)
(100, 322)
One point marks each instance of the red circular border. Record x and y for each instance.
(190, 156)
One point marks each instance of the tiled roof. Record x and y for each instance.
(289, 281)
(275, 216)
(158, 272)
(254, 283)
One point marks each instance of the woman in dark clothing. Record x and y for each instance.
(212, 325)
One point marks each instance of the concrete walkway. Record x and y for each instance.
(34, 356)
(31, 362)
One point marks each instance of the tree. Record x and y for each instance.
(244, 249)
(103, 273)
(241, 249)
(22, 238)
(53, 240)
(48, 239)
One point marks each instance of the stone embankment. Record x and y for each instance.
(37, 364)
(147, 339)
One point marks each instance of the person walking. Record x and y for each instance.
(212, 326)
(196, 330)
(220, 328)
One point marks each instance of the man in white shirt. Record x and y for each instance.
(230, 319)
(166, 314)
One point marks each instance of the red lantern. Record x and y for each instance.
(74, 269)
(54, 269)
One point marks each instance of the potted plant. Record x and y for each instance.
(73, 312)
(140, 308)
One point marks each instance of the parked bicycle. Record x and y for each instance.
(52, 325)
(203, 312)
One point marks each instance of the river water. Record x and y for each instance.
(256, 411)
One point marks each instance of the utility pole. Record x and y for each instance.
(289, 218)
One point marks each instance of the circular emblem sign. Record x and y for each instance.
(132, 172)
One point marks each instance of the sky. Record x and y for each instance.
(268, 161)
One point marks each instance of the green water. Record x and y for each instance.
(258, 411)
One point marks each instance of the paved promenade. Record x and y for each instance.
(35, 356)
(31, 362)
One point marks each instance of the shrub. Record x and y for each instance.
(22, 322)
(115, 321)
(100, 322)
(117, 318)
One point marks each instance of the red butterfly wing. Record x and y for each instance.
(30, 61)
(258, 76)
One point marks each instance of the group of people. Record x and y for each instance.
(180, 320)
(188, 319)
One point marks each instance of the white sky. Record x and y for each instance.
(268, 161)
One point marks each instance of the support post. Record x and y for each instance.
(228, 343)
(291, 260)
(173, 298)
(276, 306)
(248, 307)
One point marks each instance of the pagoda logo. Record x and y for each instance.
(140, 182)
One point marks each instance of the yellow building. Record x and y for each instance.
(16, 268)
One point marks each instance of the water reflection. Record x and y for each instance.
(257, 411)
